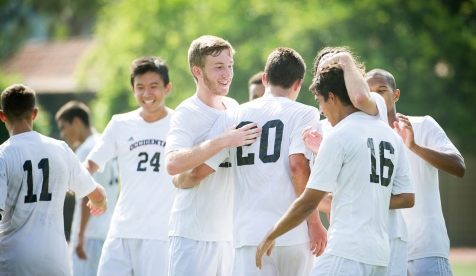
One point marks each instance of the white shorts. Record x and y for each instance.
(398, 258)
(92, 248)
(329, 265)
(435, 266)
(133, 257)
(190, 257)
(293, 260)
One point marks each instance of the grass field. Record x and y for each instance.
(463, 261)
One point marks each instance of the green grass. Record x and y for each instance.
(463, 269)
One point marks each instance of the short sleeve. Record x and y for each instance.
(297, 145)
(181, 131)
(80, 182)
(106, 148)
(328, 164)
(218, 128)
(436, 137)
(3, 184)
(381, 106)
(403, 180)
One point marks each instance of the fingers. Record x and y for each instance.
(319, 248)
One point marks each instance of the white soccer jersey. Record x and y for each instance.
(426, 225)
(35, 172)
(97, 227)
(146, 196)
(204, 212)
(263, 187)
(361, 161)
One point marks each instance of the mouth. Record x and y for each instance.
(224, 82)
(149, 101)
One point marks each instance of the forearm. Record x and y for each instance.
(193, 177)
(182, 160)
(296, 214)
(98, 197)
(185, 180)
(450, 163)
(85, 215)
(402, 201)
(357, 87)
(90, 166)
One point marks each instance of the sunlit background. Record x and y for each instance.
(82, 49)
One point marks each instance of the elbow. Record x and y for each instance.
(172, 166)
(460, 170)
(411, 201)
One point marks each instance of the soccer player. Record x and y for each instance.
(255, 86)
(88, 233)
(201, 219)
(397, 229)
(35, 172)
(269, 175)
(428, 150)
(363, 185)
(137, 239)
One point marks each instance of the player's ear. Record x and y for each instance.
(197, 72)
(34, 114)
(168, 88)
(2, 116)
(297, 85)
(263, 79)
(396, 95)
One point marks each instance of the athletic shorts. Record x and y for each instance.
(294, 260)
(435, 266)
(92, 248)
(133, 257)
(190, 257)
(329, 265)
(398, 258)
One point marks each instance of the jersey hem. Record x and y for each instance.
(427, 255)
(207, 239)
(359, 260)
(278, 243)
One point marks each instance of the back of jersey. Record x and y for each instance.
(263, 187)
(359, 161)
(35, 173)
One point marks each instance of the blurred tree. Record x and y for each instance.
(428, 46)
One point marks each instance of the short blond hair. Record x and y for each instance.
(204, 46)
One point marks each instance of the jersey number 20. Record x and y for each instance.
(263, 146)
(44, 165)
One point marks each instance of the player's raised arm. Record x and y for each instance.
(357, 87)
(185, 159)
(97, 201)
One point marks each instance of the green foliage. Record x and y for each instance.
(428, 46)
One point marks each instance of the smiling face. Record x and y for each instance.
(217, 73)
(149, 91)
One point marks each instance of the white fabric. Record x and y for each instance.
(426, 225)
(293, 260)
(125, 257)
(32, 240)
(88, 267)
(146, 196)
(396, 227)
(359, 208)
(435, 266)
(329, 265)
(398, 258)
(190, 257)
(263, 187)
(204, 212)
(97, 227)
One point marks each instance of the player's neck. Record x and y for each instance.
(19, 127)
(392, 117)
(277, 91)
(210, 99)
(85, 133)
(151, 117)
